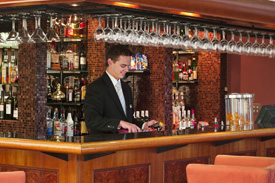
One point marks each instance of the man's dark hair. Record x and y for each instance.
(115, 51)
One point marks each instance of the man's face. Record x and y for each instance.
(119, 68)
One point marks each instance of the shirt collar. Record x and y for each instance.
(114, 81)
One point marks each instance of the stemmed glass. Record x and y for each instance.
(255, 46)
(186, 41)
(122, 39)
(13, 34)
(140, 32)
(116, 29)
(38, 35)
(24, 36)
(147, 36)
(153, 33)
(270, 47)
(263, 46)
(51, 34)
(223, 46)
(215, 41)
(165, 37)
(99, 33)
(205, 42)
(175, 37)
(248, 44)
(195, 41)
(232, 43)
(108, 32)
(240, 44)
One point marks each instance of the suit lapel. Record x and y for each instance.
(112, 91)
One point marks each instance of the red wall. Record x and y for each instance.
(252, 74)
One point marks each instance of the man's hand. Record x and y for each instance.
(149, 123)
(132, 128)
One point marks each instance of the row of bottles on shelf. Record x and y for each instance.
(73, 90)
(8, 66)
(71, 58)
(60, 124)
(74, 26)
(183, 71)
(182, 118)
(142, 115)
(8, 103)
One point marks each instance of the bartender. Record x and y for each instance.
(108, 103)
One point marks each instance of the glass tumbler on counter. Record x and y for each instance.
(239, 111)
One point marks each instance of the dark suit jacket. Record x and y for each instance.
(102, 107)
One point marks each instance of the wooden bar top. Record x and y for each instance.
(127, 144)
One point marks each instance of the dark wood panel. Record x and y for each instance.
(34, 175)
(175, 170)
(126, 174)
(270, 152)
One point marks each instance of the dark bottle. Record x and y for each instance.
(83, 63)
(2, 106)
(76, 125)
(76, 94)
(9, 105)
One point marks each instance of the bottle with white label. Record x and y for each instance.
(2, 106)
(70, 125)
(56, 123)
(49, 123)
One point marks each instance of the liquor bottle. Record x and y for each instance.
(83, 63)
(69, 29)
(184, 72)
(142, 115)
(64, 60)
(70, 124)
(70, 57)
(188, 119)
(49, 57)
(193, 119)
(15, 106)
(55, 64)
(75, 25)
(83, 128)
(83, 89)
(2, 105)
(190, 71)
(76, 125)
(76, 94)
(146, 118)
(49, 89)
(9, 105)
(176, 72)
(63, 123)
(82, 27)
(137, 116)
(70, 94)
(4, 66)
(49, 122)
(194, 68)
(75, 58)
(56, 123)
(58, 95)
(11, 66)
(62, 32)
(56, 26)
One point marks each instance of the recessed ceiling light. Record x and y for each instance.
(75, 5)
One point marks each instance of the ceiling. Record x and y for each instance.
(248, 13)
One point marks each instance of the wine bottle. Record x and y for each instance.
(2, 105)
(9, 105)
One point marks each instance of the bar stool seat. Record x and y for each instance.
(13, 177)
(233, 169)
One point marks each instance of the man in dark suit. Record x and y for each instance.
(108, 102)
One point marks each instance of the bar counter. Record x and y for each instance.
(142, 157)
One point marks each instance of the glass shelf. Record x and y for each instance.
(49, 71)
(70, 40)
(137, 71)
(65, 103)
(12, 84)
(181, 52)
(186, 82)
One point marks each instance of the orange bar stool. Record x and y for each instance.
(13, 177)
(233, 169)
